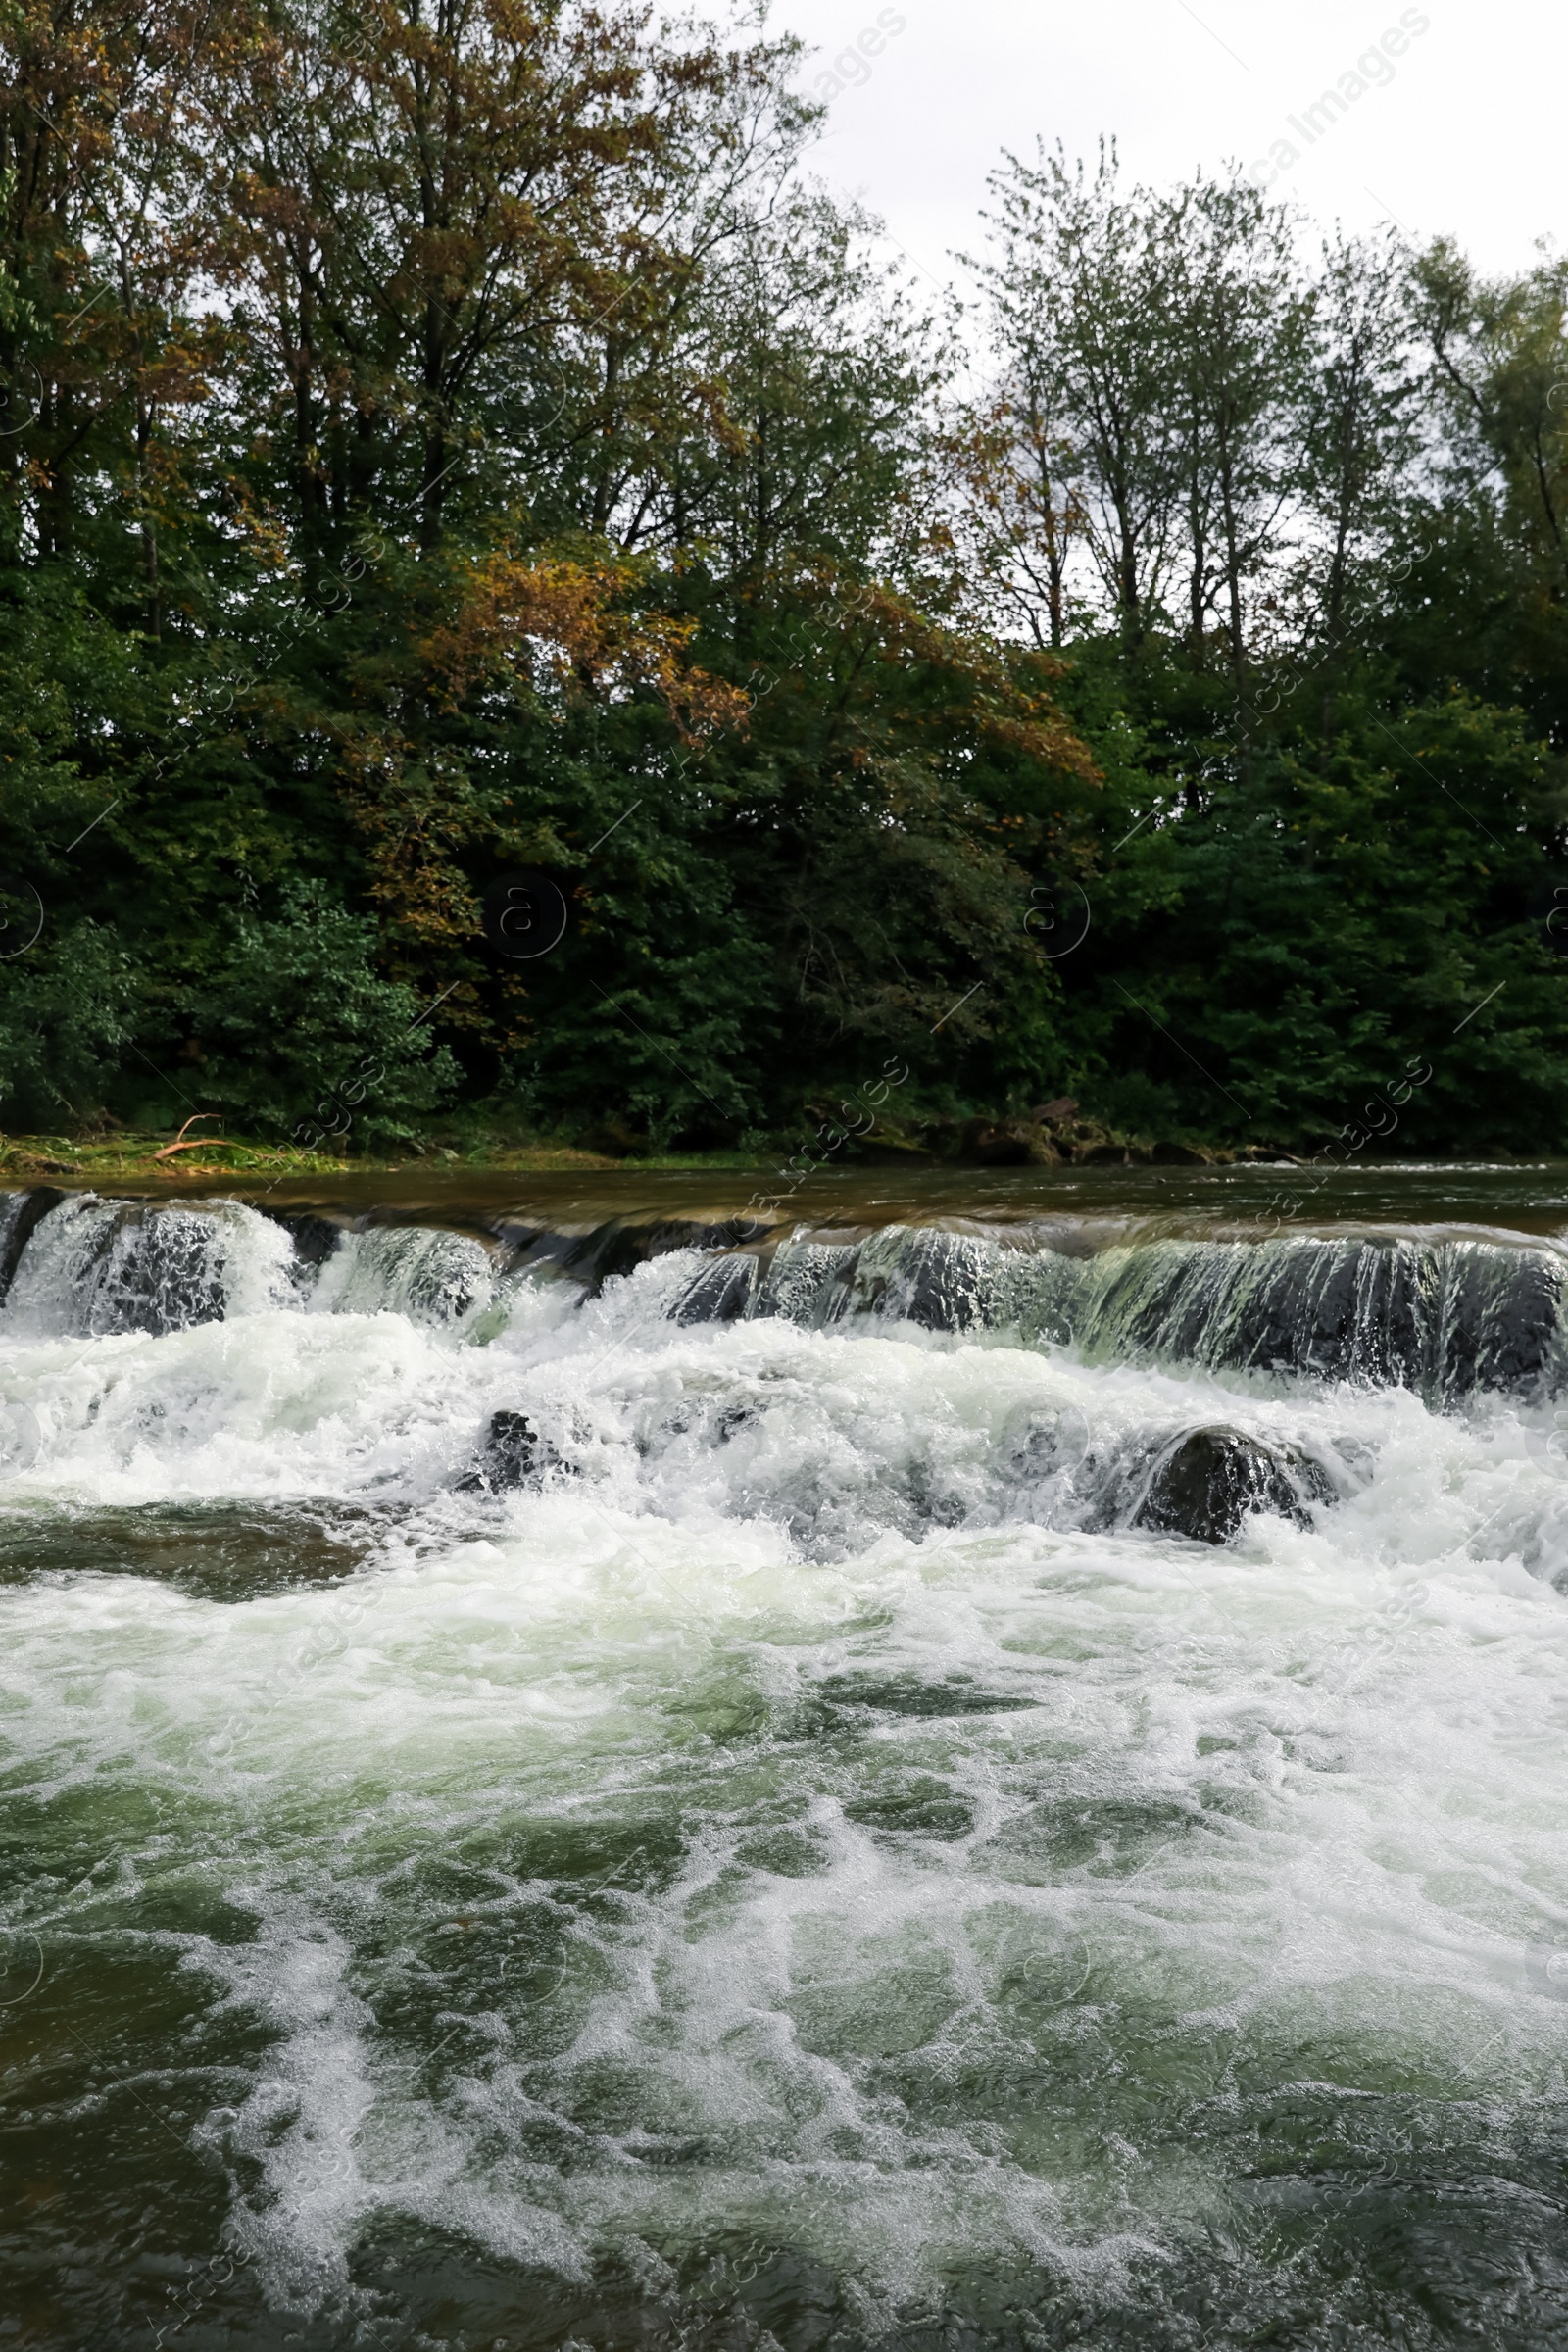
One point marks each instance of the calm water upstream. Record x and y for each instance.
(981, 1763)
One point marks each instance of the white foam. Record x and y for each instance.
(1295, 1803)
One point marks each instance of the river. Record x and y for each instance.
(950, 1760)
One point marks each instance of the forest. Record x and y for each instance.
(446, 438)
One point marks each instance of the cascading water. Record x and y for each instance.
(707, 1805)
(431, 1277)
(1440, 1316)
(92, 1266)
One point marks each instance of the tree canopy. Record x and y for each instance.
(446, 436)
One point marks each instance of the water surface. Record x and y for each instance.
(811, 1865)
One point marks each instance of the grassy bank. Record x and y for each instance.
(176, 1157)
(144, 1154)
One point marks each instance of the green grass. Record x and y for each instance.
(134, 1152)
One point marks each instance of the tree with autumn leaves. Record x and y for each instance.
(442, 438)
(437, 438)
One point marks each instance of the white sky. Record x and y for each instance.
(1465, 136)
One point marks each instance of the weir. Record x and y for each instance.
(908, 1762)
(1441, 1316)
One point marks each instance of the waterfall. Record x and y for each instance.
(1445, 1317)
(95, 1266)
(420, 1271)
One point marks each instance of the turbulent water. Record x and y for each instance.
(780, 1845)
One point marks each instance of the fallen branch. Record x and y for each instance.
(198, 1143)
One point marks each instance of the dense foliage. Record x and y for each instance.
(445, 436)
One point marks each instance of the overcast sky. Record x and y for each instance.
(1457, 124)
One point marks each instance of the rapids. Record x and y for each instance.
(784, 1853)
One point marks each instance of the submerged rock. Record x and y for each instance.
(512, 1453)
(1209, 1481)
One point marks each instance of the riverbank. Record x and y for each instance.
(1057, 1138)
(152, 1153)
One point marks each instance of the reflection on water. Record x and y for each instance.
(796, 1859)
(1526, 1198)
